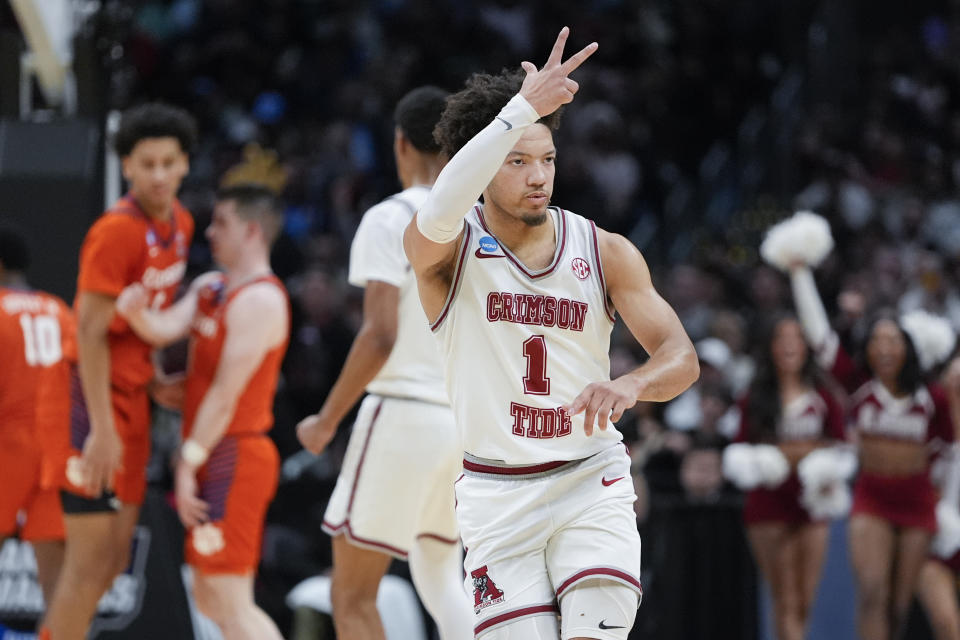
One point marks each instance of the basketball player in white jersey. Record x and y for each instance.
(394, 496)
(522, 298)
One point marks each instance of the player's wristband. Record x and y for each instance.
(471, 169)
(193, 453)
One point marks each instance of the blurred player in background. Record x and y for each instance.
(143, 238)
(36, 334)
(394, 496)
(227, 474)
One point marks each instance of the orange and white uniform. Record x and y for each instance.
(239, 479)
(122, 247)
(36, 341)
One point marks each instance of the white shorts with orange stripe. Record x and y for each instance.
(534, 533)
(396, 482)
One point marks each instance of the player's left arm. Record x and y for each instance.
(256, 322)
(673, 364)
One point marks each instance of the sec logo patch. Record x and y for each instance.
(580, 268)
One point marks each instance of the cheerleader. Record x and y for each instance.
(787, 408)
(899, 421)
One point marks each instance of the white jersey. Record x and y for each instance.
(520, 344)
(414, 369)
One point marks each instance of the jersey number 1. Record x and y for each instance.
(41, 339)
(536, 381)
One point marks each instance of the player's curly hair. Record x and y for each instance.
(470, 110)
(154, 120)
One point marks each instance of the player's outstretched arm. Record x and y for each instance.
(160, 327)
(368, 354)
(673, 364)
(429, 239)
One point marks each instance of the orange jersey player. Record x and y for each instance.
(36, 332)
(238, 323)
(143, 238)
(125, 245)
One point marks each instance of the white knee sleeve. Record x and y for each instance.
(437, 570)
(600, 609)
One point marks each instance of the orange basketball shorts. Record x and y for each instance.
(25, 506)
(131, 416)
(238, 482)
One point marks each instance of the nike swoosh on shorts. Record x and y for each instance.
(509, 126)
(603, 624)
(607, 483)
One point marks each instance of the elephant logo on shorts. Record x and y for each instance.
(485, 591)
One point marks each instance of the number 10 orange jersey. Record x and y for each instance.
(36, 347)
(36, 336)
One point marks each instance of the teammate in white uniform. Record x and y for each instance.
(522, 297)
(394, 496)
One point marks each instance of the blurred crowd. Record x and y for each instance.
(699, 124)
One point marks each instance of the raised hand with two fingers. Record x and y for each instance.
(551, 87)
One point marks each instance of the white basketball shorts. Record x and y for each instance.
(396, 482)
(531, 537)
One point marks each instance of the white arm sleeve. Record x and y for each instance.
(813, 316)
(471, 169)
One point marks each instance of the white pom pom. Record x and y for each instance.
(940, 470)
(739, 467)
(824, 474)
(846, 463)
(771, 464)
(947, 540)
(804, 237)
(831, 500)
(932, 337)
(829, 465)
